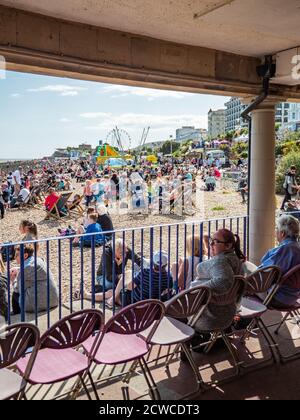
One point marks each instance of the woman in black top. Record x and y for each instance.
(105, 221)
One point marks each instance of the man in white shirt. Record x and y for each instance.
(22, 198)
(16, 181)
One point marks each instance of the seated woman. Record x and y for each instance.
(286, 256)
(218, 274)
(3, 293)
(32, 271)
(105, 221)
(111, 269)
(51, 199)
(210, 182)
(186, 267)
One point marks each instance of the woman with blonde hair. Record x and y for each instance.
(186, 268)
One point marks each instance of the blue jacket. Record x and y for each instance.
(286, 256)
(98, 239)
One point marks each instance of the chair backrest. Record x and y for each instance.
(137, 318)
(63, 200)
(233, 296)
(15, 340)
(189, 303)
(292, 278)
(261, 280)
(73, 330)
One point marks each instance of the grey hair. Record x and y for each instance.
(289, 225)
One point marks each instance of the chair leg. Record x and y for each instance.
(233, 352)
(85, 388)
(214, 338)
(248, 331)
(172, 356)
(131, 372)
(268, 337)
(200, 383)
(153, 387)
(272, 342)
(281, 324)
(93, 386)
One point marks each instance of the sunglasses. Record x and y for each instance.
(213, 242)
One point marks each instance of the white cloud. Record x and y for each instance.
(62, 90)
(64, 120)
(150, 94)
(94, 115)
(15, 95)
(136, 121)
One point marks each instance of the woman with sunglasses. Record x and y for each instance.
(218, 274)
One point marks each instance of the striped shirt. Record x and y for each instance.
(152, 285)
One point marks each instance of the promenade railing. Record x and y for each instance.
(76, 269)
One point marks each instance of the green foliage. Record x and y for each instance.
(291, 159)
(239, 150)
(168, 147)
(218, 208)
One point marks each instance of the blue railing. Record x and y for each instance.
(74, 268)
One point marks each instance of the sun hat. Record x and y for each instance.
(160, 258)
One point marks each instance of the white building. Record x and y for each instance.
(189, 133)
(216, 123)
(234, 109)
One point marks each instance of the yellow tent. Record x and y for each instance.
(152, 159)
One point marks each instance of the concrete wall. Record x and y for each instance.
(40, 44)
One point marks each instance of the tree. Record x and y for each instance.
(169, 147)
(291, 159)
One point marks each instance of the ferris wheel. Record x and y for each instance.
(119, 138)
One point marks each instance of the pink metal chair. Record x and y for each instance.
(121, 341)
(15, 341)
(58, 360)
(260, 282)
(291, 279)
(187, 306)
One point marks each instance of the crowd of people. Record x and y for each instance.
(212, 261)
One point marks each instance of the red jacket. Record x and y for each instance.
(51, 200)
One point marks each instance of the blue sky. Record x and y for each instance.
(39, 114)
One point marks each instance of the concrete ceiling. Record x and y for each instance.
(246, 27)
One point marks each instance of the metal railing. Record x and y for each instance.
(59, 268)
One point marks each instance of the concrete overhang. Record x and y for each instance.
(192, 45)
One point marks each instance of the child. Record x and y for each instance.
(92, 229)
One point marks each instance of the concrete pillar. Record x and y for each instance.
(262, 200)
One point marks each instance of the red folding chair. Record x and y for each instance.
(292, 280)
(121, 342)
(252, 307)
(58, 360)
(15, 341)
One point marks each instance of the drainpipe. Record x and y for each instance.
(266, 71)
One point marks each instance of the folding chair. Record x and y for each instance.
(233, 296)
(14, 343)
(60, 207)
(76, 208)
(188, 305)
(58, 360)
(291, 279)
(252, 307)
(121, 342)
